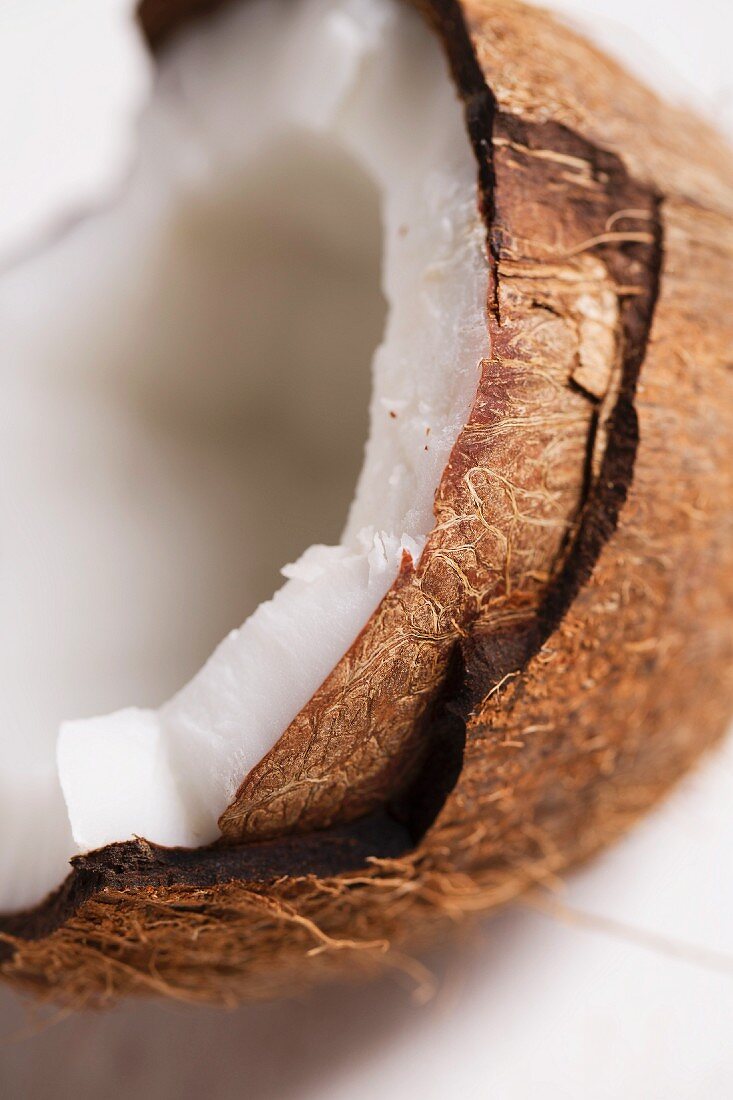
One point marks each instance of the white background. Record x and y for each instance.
(638, 1006)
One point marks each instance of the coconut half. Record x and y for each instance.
(510, 651)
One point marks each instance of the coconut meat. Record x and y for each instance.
(142, 342)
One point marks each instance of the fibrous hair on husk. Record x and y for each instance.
(563, 651)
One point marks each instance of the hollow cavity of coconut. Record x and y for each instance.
(525, 633)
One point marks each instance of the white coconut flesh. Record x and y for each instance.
(185, 392)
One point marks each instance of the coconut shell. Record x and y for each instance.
(563, 651)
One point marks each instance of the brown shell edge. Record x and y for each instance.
(570, 732)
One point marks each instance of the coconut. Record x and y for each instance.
(525, 633)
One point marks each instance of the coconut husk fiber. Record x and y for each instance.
(562, 652)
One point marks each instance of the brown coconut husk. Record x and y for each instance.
(564, 649)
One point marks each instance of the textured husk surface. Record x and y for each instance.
(564, 649)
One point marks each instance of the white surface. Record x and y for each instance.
(73, 74)
(537, 1008)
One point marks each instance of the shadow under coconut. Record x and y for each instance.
(272, 1051)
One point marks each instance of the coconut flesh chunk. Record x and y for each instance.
(129, 585)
